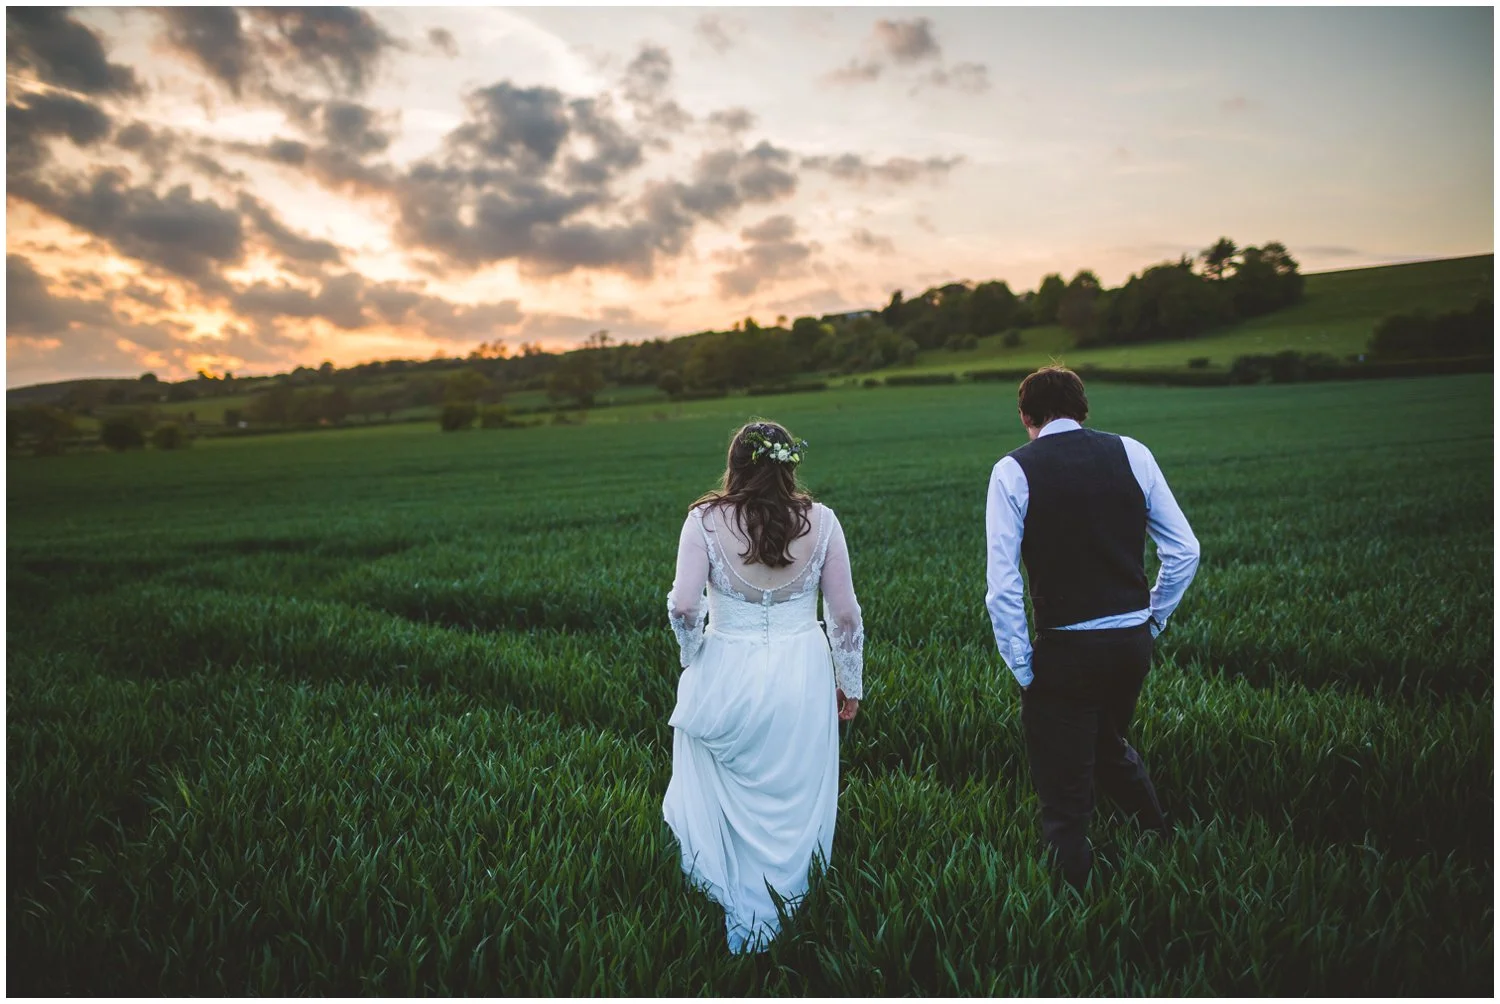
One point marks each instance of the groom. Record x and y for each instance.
(1074, 506)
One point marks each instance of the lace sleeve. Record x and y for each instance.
(841, 617)
(687, 606)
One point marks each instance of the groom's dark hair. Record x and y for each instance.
(1053, 392)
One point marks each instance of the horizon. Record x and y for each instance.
(201, 188)
(309, 364)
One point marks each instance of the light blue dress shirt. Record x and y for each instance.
(1005, 523)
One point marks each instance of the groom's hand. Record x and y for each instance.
(847, 707)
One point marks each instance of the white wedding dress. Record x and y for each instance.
(755, 756)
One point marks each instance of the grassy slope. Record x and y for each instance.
(1337, 316)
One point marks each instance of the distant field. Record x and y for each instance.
(1337, 316)
(383, 711)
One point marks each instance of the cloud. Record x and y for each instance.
(867, 241)
(907, 41)
(343, 45)
(161, 149)
(291, 246)
(211, 38)
(970, 78)
(732, 120)
(249, 50)
(855, 72)
(1236, 105)
(351, 128)
(351, 302)
(534, 177)
(712, 29)
(63, 52)
(772, 254)
(896, 45)
(894, 170)
(32, 310)
(188, 237)
(647, 84)
(443, 41)
(29, 126)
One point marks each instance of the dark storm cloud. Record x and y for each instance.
(63, 52)
(772, 253)
(894, 170)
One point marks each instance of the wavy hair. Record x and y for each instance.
(769, 506)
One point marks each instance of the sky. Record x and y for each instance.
(248, 190)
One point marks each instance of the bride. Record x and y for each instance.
(755, 756)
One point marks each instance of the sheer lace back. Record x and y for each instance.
(727, 541)
(715, 586)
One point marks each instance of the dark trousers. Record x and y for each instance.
(1076, 714)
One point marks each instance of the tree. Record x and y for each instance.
(456, 417)
(47, 426)
(807, 342)
(1048, 299)
(894, 313)
(1166, 301)
(1218, 257)
(337, 404)
(670, 383)
(992, 308)
(1077, 309)
(576, 377)
(170, 436)
(271, 406)
(148, 378)
(1264, 280)
(465, 387)
(122, 432)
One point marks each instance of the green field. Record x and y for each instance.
(384, 711)
(1337, 316)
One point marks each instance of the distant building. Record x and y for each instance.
(848, 315)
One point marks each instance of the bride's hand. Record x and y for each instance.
(848, 707)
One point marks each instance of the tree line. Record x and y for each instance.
(1174, 300)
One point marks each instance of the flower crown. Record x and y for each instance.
(782, 453)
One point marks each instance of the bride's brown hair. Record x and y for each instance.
(769, 505)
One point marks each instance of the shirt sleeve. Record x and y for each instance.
(687, 604)
(1176, 546)
(1004, 524)
(841, 614)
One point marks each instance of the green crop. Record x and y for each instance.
(385, 711)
